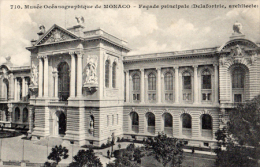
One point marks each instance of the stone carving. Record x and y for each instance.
(236, 51)
(57, 36)
(34, 75)
(80, 19)
(91, 70)
(237, 27)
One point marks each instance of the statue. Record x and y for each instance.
(34, 74)
(237, 27)
(91, 70)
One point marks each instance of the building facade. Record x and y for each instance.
(84, 87)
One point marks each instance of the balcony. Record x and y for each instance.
(187, 132)
(151, 129)
(168, 131)
(135, 128)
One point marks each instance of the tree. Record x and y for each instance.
(57, 153)
(166, 149)
(238, 142)
(86, 158)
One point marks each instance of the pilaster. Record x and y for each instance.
(127, 85)
(142, 85)
(195, 87)
(176, 68)
(216, 98)
(158, 86)
(79, 75)
(72, 75)
(40, 77)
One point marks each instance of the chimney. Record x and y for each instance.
(42, 31)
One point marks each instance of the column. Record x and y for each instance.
(195, 87)
(23, 88)
(127, 85)
(30, 119)
(79, 77)
(142, 85)
(46, 77)
(216, 83)
(176, 79)
(15, 89)
(40, 83)
(158, 86)
(55, 83)
(72, 75)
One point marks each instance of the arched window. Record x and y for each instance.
(186, 125)
(6, 89)
(167, 124)
(114, 75)
(152, 87)
(206, 122)
(206, 85)
(238, 78)
(186, 120)
(107, 73)
(186, 80)
(168, 86)
(150, 122)
(136, 87)
(186, 83)
(64, 81)
(151, 82)
(25, 115)
(17, 114)
(135, 122)
(206, 79)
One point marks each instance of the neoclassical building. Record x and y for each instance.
(84, 87)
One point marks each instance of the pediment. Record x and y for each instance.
(56, 34)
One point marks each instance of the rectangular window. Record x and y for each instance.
(206, 96)
(237, 98)
(186, 82)
(206, 82)
(138, 96)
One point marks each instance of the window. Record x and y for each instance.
(63, 81)
(112, 119)
(150, 122)
(114, 75)
(186, 121)
(237, 98)
(206, 121)
(117, 119)
(107, 120)
(6, 89)
(151, 82)
(238, 78)
(151, 87)
(136, 87)
(135, 122)
(206, 79)
(168, 83)
(168, 86)
(186, 82)
(17, 114)
(167, 120)
(107, 73)
(25, 115)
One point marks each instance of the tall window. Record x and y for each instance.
(150, 122)
(17, 114)
(186, 121)
(114, 75)
(206, 79)
(186, 80)
(206, 85)
(238, 78)
(64, 81)
(206, 121)
(136, 87)
(135, 122)
(6, 89)
(168, 86)
(152, 87)
(107, 73)
(25, 115)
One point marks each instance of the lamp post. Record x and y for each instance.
(47, 146)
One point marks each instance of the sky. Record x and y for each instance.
(146, 30)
